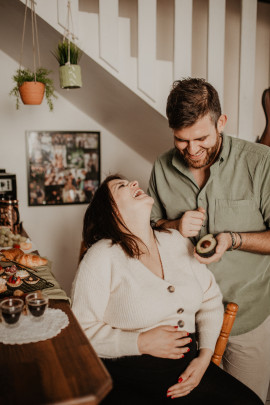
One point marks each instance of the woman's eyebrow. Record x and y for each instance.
(116, 184)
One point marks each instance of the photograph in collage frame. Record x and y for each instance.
(63, 166)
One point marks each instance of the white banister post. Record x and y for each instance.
(147, 17)
(247, 69)
(108, 31)
(182, 65)
(216, 45)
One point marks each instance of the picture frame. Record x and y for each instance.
(63, 167)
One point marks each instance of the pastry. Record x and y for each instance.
(3, 286)
(25, 245)
(18, 293)
(30, 260)
(32, 279)
(14, 281)
(26, 259)
(11, 254)
(10, 271)
(2, 269)
(22, 273)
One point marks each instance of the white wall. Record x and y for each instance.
(55, 230)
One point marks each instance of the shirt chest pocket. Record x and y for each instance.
(238, 216)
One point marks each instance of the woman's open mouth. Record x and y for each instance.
(138, 193)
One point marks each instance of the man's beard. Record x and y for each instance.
(208, 158)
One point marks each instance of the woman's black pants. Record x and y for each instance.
(144, 380)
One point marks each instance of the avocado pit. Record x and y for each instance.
(206, 246)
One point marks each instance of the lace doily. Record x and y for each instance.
(30, 331)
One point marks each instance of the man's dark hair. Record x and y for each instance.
(101, 221)
(191, 99)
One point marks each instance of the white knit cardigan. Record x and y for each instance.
(115, 298)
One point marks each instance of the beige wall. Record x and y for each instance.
(55, 230)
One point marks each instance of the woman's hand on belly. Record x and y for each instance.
(164, 341)
(192, 375)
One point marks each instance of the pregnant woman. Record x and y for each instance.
(151, 311)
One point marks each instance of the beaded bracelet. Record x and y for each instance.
(241, 241)
(233, 240)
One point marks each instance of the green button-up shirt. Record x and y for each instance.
(236, 198)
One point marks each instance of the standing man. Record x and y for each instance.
(213, 183)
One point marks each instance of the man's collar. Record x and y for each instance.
(225, 149)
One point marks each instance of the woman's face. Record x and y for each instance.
(129, 197)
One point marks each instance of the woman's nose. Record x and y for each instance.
(134, 183)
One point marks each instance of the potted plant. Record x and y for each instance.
(68, 56)
(31, 87)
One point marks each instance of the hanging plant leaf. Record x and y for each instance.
(67, 52)
(32, 82)
(25, 75)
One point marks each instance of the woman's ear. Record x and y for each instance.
(221, 123)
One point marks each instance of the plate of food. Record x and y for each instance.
(15, 280)
(10, 240)
(17, 256)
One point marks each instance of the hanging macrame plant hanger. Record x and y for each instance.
(69, 71)
(31, 92)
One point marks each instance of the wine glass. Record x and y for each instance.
(36, 303)
(11, 309)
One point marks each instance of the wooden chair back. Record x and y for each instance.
(228, 320)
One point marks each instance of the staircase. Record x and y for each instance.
(121, 37)
(134, 49)
(146, 44)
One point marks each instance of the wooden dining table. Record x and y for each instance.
(62, 370)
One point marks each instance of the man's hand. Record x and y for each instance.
(191, 222)
(192, 375)
(224, 242)
(164, 341)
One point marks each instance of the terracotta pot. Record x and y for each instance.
(32, 92)
(70, 77)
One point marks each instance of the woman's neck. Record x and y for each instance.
(141, 228)
(147, 244)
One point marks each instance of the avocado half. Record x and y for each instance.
(206, 246)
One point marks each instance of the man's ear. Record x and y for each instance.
(221, 123)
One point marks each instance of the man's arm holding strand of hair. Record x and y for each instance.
(189, 224)
(172, 224)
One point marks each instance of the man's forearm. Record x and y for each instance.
(172, 224)
(256, 242)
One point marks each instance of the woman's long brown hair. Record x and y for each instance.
(102, 222)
